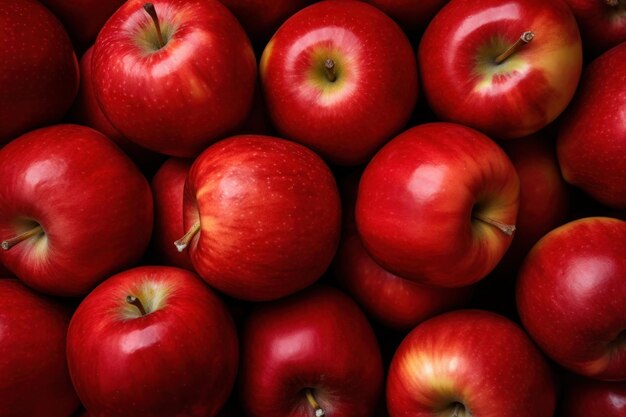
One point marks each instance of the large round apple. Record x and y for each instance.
(438, 204)
(507, 68)
(152, 341)
(571, 296)
(341, 78)
(174, 76)
(73, 209)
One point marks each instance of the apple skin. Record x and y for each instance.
(94, 206)
(602, 26)
(463, 84)
(269, 213)
(168, 186)
(35, 380)
(179, 99)
(38, 66)
(449, 360)
(317, 339)
(410, 14)
(591, 144)
(419, 199)
(571, 296)
(185, 348)
(347, 120)
(583, 397)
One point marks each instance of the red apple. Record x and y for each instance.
(585, 397)
(437, 205)
(35, 381)
(602, 23)
(83, 18)
(152, 341)
(469, 363)
(571, 296)
(168, 186)
(592, 140)
(507, 68)
(339, 77)
(312, 354)
(39, 69)
(263, 217)
(73, 209)
(410, 14)
(179, 94)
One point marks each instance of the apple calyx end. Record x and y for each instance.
(9, 243)
(507, 229)
(525, 38)
(330, 70)
(184, 241)
(131, 299)
(319, 411)
(149, 8)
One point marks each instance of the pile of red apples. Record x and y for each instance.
(298, 208)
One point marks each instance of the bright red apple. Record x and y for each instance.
(602, 23)
(412, 15)
(506, 68)
(176, 76)
(583, 397)
(312, 354)
(469, 363)
(168, 186)
(263, 217)
(591, 145)
(73, 209)
(35, 381)
(437, 205)
(39, 69)
(339, 77)
(571, 296)
(152, 341)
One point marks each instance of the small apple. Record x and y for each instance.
(584, 397)
(602, 23)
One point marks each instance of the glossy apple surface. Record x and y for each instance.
(591, 145)
(317, 341)
(39, 69)
(602, 23)
(92, 206)
(347, 112)
(571, 296)
(437, 205)
(584, 397)
(35, 381)
(177, 359)
(266, 214)
(464, 83)
(469, 363)
(179, 98)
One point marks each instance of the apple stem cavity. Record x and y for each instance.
(523, 40)
(9, 243)
(329, 70)
(131, 299)
(507, 229)
(319, 411)
(183, 242)
(149, 8)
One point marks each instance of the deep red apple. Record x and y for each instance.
(152, 341)
(35, 381)
(583, 397)
(412, 15)
(312, 354)
(592, 140)
(168, 186)
(469, 363)
(571, 296)
(73, 209)
(177, 81)
(602, 23)
(339, 77)
(263, 217)
(437, 205)
(39, 69)
(506, 68)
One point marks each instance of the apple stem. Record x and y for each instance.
(523, 40)
(9, 243)
(507, 229)
(183, 242)
(149, 8)
(131, 299)
(319, 411)
(329, 69)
